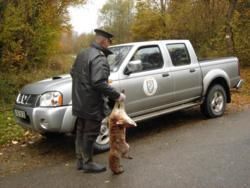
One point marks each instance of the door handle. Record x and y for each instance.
(192, 70)
(165, 75)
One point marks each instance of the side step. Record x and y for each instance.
(165, 111)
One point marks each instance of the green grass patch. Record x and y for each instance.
(9, 130)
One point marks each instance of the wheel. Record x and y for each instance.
(102, 142)
(215, 102)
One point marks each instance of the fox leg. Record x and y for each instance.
(127, 156)
(114, 162)
(125, 151)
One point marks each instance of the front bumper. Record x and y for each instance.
(49, 119)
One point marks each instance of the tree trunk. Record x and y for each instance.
(229, 29)
(163, 6)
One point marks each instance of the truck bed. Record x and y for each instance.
(230, 65)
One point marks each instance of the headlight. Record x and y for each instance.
(18, 99)
(53, 98)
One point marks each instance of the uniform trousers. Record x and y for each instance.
(86, 134)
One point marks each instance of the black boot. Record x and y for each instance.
(88, 165)
(92, 167)
(79, 164)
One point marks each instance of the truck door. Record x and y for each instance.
(186, 73)
(150, 87)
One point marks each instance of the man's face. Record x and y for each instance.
(107, 43)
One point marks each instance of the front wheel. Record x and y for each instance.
(214, 104)
(102, 141)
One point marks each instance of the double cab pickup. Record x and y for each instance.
(158, 77)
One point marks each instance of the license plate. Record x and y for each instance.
(20, 114)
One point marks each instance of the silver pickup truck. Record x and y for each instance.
(158, 77)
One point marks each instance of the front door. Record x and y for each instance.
(151, 87)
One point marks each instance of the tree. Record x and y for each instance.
(30, 31)
(215, 27)
(116, 16)
(241, 28)
(81, 42)
(228, 29)
(149, 22)
(199, 21)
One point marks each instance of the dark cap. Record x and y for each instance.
(103, 33)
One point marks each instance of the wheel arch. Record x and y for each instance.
(217, 77)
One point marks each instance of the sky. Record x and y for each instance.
(84, 18)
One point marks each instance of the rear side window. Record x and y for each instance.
(179, 54)
(150, 57)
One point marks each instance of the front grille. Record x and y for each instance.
(26, 99)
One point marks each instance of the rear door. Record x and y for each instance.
(186, 73)
(150, 88)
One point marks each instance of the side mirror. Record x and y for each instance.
(133, 66)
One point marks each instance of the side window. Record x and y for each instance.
(179, 54)
(150, 57)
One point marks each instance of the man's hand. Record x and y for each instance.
(122, 97)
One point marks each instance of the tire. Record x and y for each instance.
(214, 104)
(102, 142)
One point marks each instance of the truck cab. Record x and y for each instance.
(157, 75)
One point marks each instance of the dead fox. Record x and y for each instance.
(118, 122)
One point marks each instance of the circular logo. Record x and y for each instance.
(150, 86)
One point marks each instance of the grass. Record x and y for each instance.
(9, 131)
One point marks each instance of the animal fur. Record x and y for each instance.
(119, 148)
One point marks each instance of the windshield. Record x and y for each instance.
(119, 54)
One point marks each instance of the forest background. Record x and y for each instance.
(37, 41)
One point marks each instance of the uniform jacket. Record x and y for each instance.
(90, 86)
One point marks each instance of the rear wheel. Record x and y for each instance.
(214, 104)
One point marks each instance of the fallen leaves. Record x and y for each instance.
(14, 142)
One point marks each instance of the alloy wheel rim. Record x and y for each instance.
(217, 102)
(103, 137)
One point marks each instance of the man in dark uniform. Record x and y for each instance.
(90, 86)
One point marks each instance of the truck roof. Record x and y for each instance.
(150, 42)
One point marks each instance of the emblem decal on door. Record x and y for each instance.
(150, 86)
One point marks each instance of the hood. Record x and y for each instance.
(61, 83)
(56, 83)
